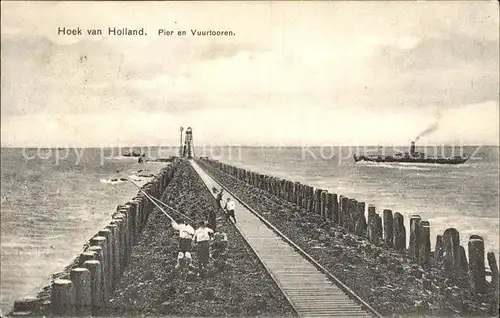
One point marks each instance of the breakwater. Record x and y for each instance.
(86, 284)
(443, 274)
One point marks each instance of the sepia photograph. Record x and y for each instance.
(250, 158)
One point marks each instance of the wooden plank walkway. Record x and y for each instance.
(310, 291)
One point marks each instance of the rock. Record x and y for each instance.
(410, 279)
(421, 305)
(191, 276)
(349, 240)
(166, 307)
(448, 292)
(427, 284)
(261, 305)
(376, 252)
(356, 259)
(336, 252)
(449, 282)
(188, 296)
(399, 269)
(417, 273)
(226, 282)
(324, 238)
(209, 293)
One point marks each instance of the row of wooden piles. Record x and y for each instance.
(88, 286)
(385, 229)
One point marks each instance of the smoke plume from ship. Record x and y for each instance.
(429, 130)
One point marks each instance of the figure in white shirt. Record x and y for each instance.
(230, 209)
(186, 233)
(202, 237)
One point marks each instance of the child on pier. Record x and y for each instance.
(202, 237)
(230, 210)
(186, 232)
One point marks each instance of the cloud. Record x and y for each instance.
(434, 53)
(224, 50)
(469, 124)
(399, 43)
(473, 124)
(305, 65)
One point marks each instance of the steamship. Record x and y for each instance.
(411, 157)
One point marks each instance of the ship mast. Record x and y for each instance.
(180, 145)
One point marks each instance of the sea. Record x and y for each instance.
(54, 200)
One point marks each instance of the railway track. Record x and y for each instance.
(310, 289)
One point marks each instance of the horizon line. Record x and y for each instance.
(246, 146)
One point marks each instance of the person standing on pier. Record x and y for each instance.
(212, 219)
(212, 216)
(202, 237)
(230, 210)
(219, 199)
(186, 233)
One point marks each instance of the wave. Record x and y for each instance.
(399, 165)
(113, 180)
(123, 158)
(153, 162)
(135, 178)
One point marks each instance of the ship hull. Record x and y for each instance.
(451, 161)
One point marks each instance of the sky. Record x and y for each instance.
(293, 73)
